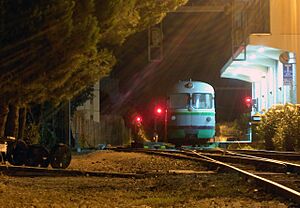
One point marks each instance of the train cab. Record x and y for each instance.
(191, 113)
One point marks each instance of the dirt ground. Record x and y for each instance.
(202, 189)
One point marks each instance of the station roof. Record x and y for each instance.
(251, 63)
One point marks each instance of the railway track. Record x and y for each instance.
(34, 171)
(290, 167)
(276, 176)
(272, 175)
(274, 172)
(271, 154)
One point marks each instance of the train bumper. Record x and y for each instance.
(197, 133)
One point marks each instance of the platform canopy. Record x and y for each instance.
(251, 63)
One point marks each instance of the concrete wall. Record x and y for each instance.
(285, 33)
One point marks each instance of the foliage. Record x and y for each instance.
(238, 145)
(48, 135)
(120, 18)
(50, 51)
(82, 142)
(53, 50)
(267, 128)
(280, 127)
(49, 121)
(141, 134)
(229, 129)
(81, 98)
(64, 42)
(288, 132)
(236, 129)
(32, 134)
(243, 122)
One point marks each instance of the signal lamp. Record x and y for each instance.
(248, 101)
(138, 119)
(158, 110)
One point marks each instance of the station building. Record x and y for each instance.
(268, 58)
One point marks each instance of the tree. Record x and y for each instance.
(25, 50)
(52, 50)
(40, 58)
(122, 18)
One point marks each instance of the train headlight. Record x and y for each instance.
(173, 118)
(208, 119)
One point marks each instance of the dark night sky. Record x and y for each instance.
(195, 46)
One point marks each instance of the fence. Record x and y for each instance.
(90, 134)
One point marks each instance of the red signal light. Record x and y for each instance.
(159, 110)
(248, 101)
(138, 119)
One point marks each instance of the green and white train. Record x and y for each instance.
(191, 113)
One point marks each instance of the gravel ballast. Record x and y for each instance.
(179, 189)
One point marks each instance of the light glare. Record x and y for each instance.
(261, 50)
(252, 56)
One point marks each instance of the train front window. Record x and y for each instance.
(202, 101)
(180, 100)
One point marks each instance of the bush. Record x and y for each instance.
(289, 129)
(32, 134)
(279, 128)
(235, 129)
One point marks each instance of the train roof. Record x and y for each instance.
(192, 86)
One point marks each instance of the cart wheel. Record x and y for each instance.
(60, 156)
(37, 156)
(45, 157)
(17, 152)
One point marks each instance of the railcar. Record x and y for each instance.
(191, 113)
(17, 152)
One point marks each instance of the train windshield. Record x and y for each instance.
(202, 100)
(180, 100)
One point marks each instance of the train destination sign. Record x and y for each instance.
(287, 74)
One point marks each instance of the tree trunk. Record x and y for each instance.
(3, 117)
(12, 121)
(22, 122)
(66, 121)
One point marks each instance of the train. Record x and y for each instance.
(191, 113)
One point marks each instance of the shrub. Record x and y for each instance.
(32, 134)
(280, 127)
(289, 129)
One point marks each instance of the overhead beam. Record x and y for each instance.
(232, 88)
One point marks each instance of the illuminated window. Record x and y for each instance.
(202, 101)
